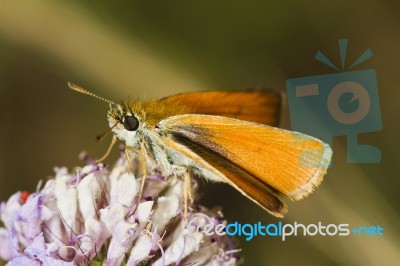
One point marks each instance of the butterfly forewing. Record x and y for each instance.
(239, 178)
(288, 163)
(255, 105)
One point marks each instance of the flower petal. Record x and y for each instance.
(10, 209)
(67, 202)
(6, 250)
(22, 260)
(89, 192)
(140, 250)
(94, 237)
(52, 249)
(29, 219)
(49, 261)
(182, 247)
(37, 248)
(112, 215)
(123, 190)
(120, 242)
(144, 210)
(167, 208)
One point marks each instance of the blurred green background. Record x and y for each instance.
(154, 49)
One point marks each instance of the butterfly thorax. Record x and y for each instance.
(146, 114)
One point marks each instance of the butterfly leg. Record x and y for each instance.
(187, 189)
(128, 157)
(113, 141)
(144, 170)
(187, 193)
(142, 153)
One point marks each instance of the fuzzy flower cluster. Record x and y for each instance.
(92, 217)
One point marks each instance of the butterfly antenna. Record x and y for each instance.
(79, 89)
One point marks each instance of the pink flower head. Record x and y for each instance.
(93, 217)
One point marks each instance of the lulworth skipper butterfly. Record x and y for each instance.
(222, 136)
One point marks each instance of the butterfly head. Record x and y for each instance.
(125, 118)
(125, 123)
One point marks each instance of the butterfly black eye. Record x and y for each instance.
(131, 123)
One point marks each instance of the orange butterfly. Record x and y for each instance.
(224, 137)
